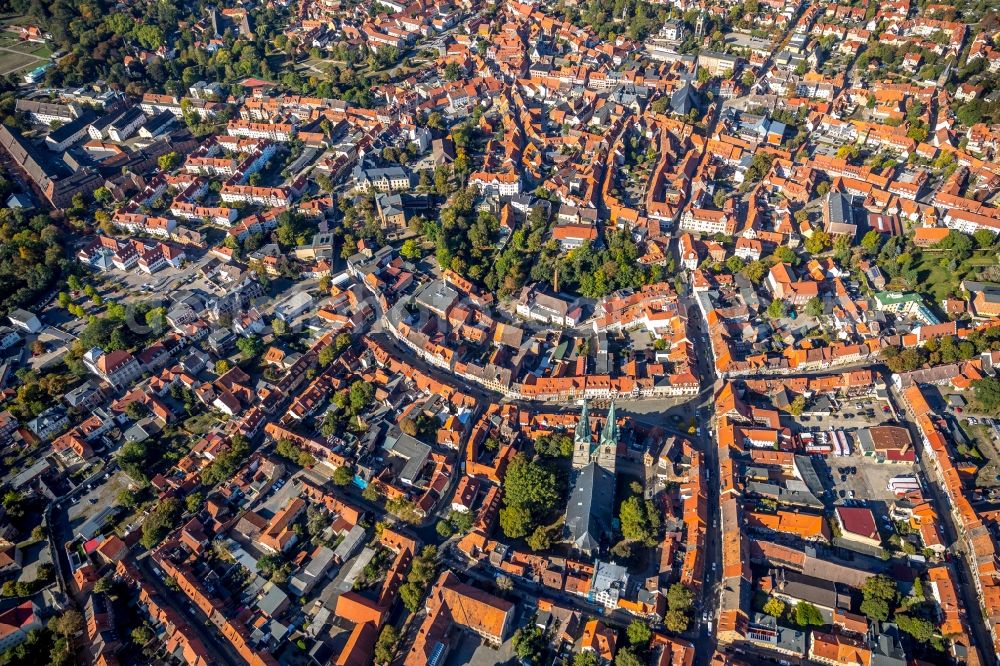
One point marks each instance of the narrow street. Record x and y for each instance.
(705, 643)
(953, 539)
(217, 646)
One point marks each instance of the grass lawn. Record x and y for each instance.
(200, 424)
(278, 62)
(11, 62)
(7, 18)
(935, 280)
(988, 465)
(938, 281)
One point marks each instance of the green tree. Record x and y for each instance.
(987, 392)
(251, 347)
(422, 572)
(326, 356)
(777, 309)
(807, 615)
(403, 509)
(755, 271)
(193, 501)
(814, 308)
(719, 198)
(226, 463)
(971, 113)
(819, 241)
(68, 624)
(917, 132)
(424, 566)
(786, 255)
(132, 453)
(555, 445)
(169, 161)
(142, 635)
(959, 243)
(759, 167)
(879, 595)
(529, 644)
(136, 410)
(774, 607)
(516, 521)
(410, 249)
(680, 597)
(635, 524)
(148, 35)
(159, 523)
(385, 647)
(921, 629)
(540, 539)
(530, 485)
(452, 71)
(797, 406)
(849, 152)
(585, 659)
(102, 195)
(984, 238)
(460, 520)
(127, 499)
(639, 633)
(412, 596)
(871, 242)
(342, 476)
(625, 656)
(676, 621)
(289, 450)
(361, 396)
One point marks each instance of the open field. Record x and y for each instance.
(13, 61)
(939, 281)
(16, 55)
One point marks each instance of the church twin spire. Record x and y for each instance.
(583, 433)
(604, 452)
(609, 435)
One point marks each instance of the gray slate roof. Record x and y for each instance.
(588, 512)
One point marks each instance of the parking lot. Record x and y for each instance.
(870, 480)
(164, 281)
(851, 415)
(32, 557)
(98, 498)
(473, 651)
